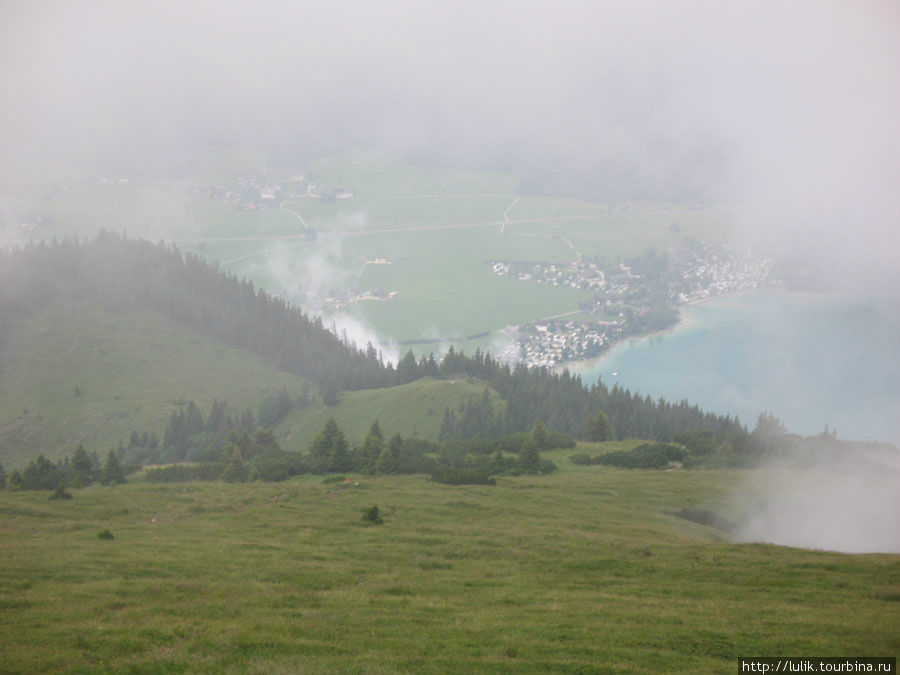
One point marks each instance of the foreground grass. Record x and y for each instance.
(577, 571)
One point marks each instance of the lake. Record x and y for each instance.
(810, 359)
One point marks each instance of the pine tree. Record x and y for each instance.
(40, 474)
(113, 473)
(498, 459)
(407, 369)
(385, 465)
(15, 481)
(375, 430)
(599, 428)
(448, 426)
(82, 470)
(372, 448)
(329, 390)
(529, 457)
(264, 444)
(235, 470)
(329, 450)
(340, 453)
(539, 436)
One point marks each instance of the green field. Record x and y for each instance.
(438, 226)
(581, 571)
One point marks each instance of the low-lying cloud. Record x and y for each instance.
(851, 506)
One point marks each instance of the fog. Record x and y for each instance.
(849, 505)
(786, 113)
(783, 114)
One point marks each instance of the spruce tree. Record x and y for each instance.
(498, 459)
(599, 428)
(372, 448)
(113, 473)
(385, 465)
(82, 470)
(15, 481)
(40, 474)
(539, 436)
(375, 430)
(235, 470)
(340, 453)
(329, 450)
(529, 457)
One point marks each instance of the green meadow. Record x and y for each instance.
(580, 571)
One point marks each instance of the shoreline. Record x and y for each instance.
(578, 365)
(730, 294)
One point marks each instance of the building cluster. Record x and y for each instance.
(341, 301)
(258, 192)
(628, 303)
(579, 274)
(547, 343)
(722, 269)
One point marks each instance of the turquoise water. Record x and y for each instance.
(809, 359)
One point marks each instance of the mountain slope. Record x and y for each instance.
(72, 372)
(128, 369)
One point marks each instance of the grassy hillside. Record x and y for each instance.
(578, 571)
(129, 369)
(414, 409)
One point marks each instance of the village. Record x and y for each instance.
(580, 274)
(253, 192)
(248, 192)
(632, 297)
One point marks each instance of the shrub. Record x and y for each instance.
(463, 475)
(105, 534)
(274, 469)
(61, 493)
(372, 516)
(184, 473)
(646, 456)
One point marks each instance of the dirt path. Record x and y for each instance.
(294, 213)
(391, 230)
(506, 214)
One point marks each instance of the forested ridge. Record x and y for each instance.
(123, 274)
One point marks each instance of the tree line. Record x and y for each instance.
(245, 457)
(79, 470)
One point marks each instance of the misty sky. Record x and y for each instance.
(786, 111)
